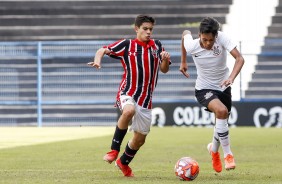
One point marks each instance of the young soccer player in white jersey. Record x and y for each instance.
(212, 88)
(141, 58)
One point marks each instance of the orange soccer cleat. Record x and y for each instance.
(216, 162)
(229, 162)
(126, 170)
(111, 156)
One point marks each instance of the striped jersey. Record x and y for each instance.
(141, 63)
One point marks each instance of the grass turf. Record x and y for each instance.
(257, 154)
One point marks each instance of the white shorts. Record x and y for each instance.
(141, 121)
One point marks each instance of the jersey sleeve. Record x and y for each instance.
(226, 42)
(188, 43)
(161, 48)
(117, 48)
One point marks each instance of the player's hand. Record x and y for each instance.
(165, 56)
(183, 69)
(94, 64)
(226, 83)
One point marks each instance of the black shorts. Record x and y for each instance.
(204, 97)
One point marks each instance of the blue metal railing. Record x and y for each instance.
(39, 54)
(36, 53)
(39, 84)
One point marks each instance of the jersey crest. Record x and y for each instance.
(216, 50)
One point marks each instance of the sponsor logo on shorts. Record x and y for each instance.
(125, 100)
(208, 95)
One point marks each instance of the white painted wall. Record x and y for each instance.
(247, 24)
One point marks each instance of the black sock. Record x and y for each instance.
(128, 155)
(118, 138)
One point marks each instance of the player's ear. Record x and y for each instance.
(136, 29)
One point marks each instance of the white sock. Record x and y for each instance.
(223, 134)
(215, 141)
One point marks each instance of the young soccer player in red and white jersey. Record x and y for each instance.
(213, 82)
(141, 59)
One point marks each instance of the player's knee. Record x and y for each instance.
(222, 113)
(129, 113)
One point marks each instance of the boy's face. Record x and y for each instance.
(144, 32)
(207, 40)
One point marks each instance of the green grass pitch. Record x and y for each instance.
(258, 154)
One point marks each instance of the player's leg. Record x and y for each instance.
(132, 147)
(213, 148)
(141, 124)
(128, 111)
(130, 151)
(215, 141)
(204, 97)
(221, 127)
(213, 151)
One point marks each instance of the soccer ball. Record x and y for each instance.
(186, 168)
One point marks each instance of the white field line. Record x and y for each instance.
(24, 136)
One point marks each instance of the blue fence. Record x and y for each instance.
(49, 83)
(55, 73)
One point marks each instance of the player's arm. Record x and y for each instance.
(165, 56)
(239, 62)
(183, 65)
(98, 57)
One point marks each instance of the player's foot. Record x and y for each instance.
(111, 156)
(216, 162)
(229, 162)
(126, 170)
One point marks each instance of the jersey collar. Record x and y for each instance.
(148, 45)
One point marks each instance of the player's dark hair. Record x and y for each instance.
(209, 25)
(140, 19)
